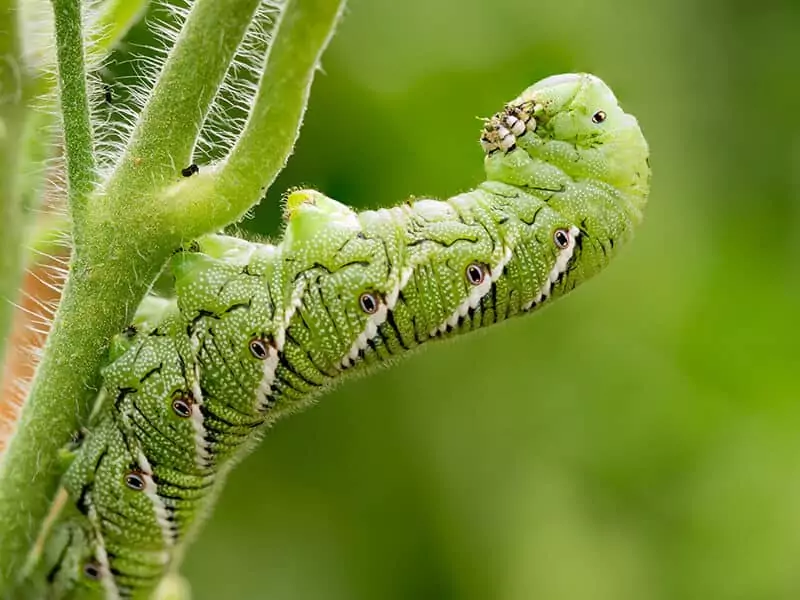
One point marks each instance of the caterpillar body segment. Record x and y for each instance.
(256, 331)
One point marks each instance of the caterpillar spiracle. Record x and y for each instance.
(256, 331)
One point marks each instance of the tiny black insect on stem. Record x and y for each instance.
(190, 170)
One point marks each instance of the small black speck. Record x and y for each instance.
(190, 170)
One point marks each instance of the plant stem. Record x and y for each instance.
(223, 196)
(125, 232)
(56, 406)
(37, 460)
(13, 96)
(74, 100)
(273, 125)
(114, 21)
(166, 131)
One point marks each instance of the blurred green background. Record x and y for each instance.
(639, 440)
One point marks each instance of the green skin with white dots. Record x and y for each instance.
(256, 331)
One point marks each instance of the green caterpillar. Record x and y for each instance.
(256, 330)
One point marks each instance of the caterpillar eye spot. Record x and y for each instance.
(134, 481)
(369, 303)
(599, 116)
(561, 238)
(92, 570)
(258, 348)
(475, 274)
(181, 407)
(190, 170)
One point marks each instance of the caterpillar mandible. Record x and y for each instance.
(256, 331)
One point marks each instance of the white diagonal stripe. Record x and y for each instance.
(159, 509)
(475, 296)
(562, 260)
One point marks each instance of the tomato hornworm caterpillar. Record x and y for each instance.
(256, 331)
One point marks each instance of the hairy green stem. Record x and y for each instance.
(25, 464)
(74, 100)
(167, 129)
(219, 197)
(271, 130)
(13, 83)
(125, 231)
(114, 21)
(56, 407)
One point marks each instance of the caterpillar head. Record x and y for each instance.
(581, 154)
(574, 130)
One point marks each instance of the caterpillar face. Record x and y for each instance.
(573, 123)
(583, 128)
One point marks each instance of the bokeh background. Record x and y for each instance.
(638, 440)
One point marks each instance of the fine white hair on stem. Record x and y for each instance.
(117, 104)
(34, 317)
(115, 121)
(38, 33)
(235, 97)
